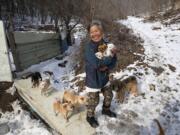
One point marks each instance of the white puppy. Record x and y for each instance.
(109, 49)
(99, 55)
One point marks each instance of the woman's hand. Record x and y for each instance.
(114, 51)
(104, 68)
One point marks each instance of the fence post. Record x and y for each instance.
(12, 45)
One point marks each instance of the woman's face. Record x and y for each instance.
(96, 33)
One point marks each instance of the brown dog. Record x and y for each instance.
(75, 100)
(161, 130)
(44, 85)
(129, 85)
(63, 108)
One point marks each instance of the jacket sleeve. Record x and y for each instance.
(92, 60)
(113, 63)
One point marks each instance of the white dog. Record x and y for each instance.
(44, 86)
(107, 52)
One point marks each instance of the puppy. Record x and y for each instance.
(99, 55)
(102, 48)
(35, 79)
(105, 50)
(44, 85)
(63, 108)
(121, 87)
(109, 49)
(51, 76)
(75, 100)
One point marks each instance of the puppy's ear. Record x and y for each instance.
(69, 102)
(82, 98)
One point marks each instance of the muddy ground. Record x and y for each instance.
(6, 98)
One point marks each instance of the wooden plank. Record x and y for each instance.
(26, 63)
(36, 46)
(30, 37)
(33, 55)
(42, 105)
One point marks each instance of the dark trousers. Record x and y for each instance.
(93, 101)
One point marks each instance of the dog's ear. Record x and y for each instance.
(82, 98)
(64, 105)
(69, 102)
(65, 92)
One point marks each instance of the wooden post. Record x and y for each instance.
(10, 37)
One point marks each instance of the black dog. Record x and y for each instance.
(35, 78)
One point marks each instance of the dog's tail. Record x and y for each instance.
(161, 130)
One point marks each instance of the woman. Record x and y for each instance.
(97, 74)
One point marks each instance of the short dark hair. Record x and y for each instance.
(95, 23)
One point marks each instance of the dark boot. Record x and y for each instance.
(92, 121)
(109, 113)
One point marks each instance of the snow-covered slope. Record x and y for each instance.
(159, 89)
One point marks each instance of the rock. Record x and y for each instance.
(131, 114)
(4, 128)
(157, 70)
(122, 127)
(152, 87)
(172, 68)
(156, 28)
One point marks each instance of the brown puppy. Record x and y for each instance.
(129, 85)
(102, 48)
(75, 100)
(44, 85)
(63, 108)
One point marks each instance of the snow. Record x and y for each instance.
(21, 123)
(161, 48)
(136, 115)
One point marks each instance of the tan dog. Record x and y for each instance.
(129, 85)
(63, 108)
(75, 100)
(44, 85)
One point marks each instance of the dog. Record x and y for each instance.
(126, 85)
(161, 130)
(75, 100)
(35, 79)
(48, 73)
(44, 85)
(105, 50)
(51, 76)
(63, 108)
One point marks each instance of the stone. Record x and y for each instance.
(4, 128)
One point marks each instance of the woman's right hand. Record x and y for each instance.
(103, 68)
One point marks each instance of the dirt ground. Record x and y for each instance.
(6, 98)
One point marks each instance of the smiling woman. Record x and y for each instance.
(97, 74)
(96, 31)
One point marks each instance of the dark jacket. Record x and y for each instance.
(94, 77)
